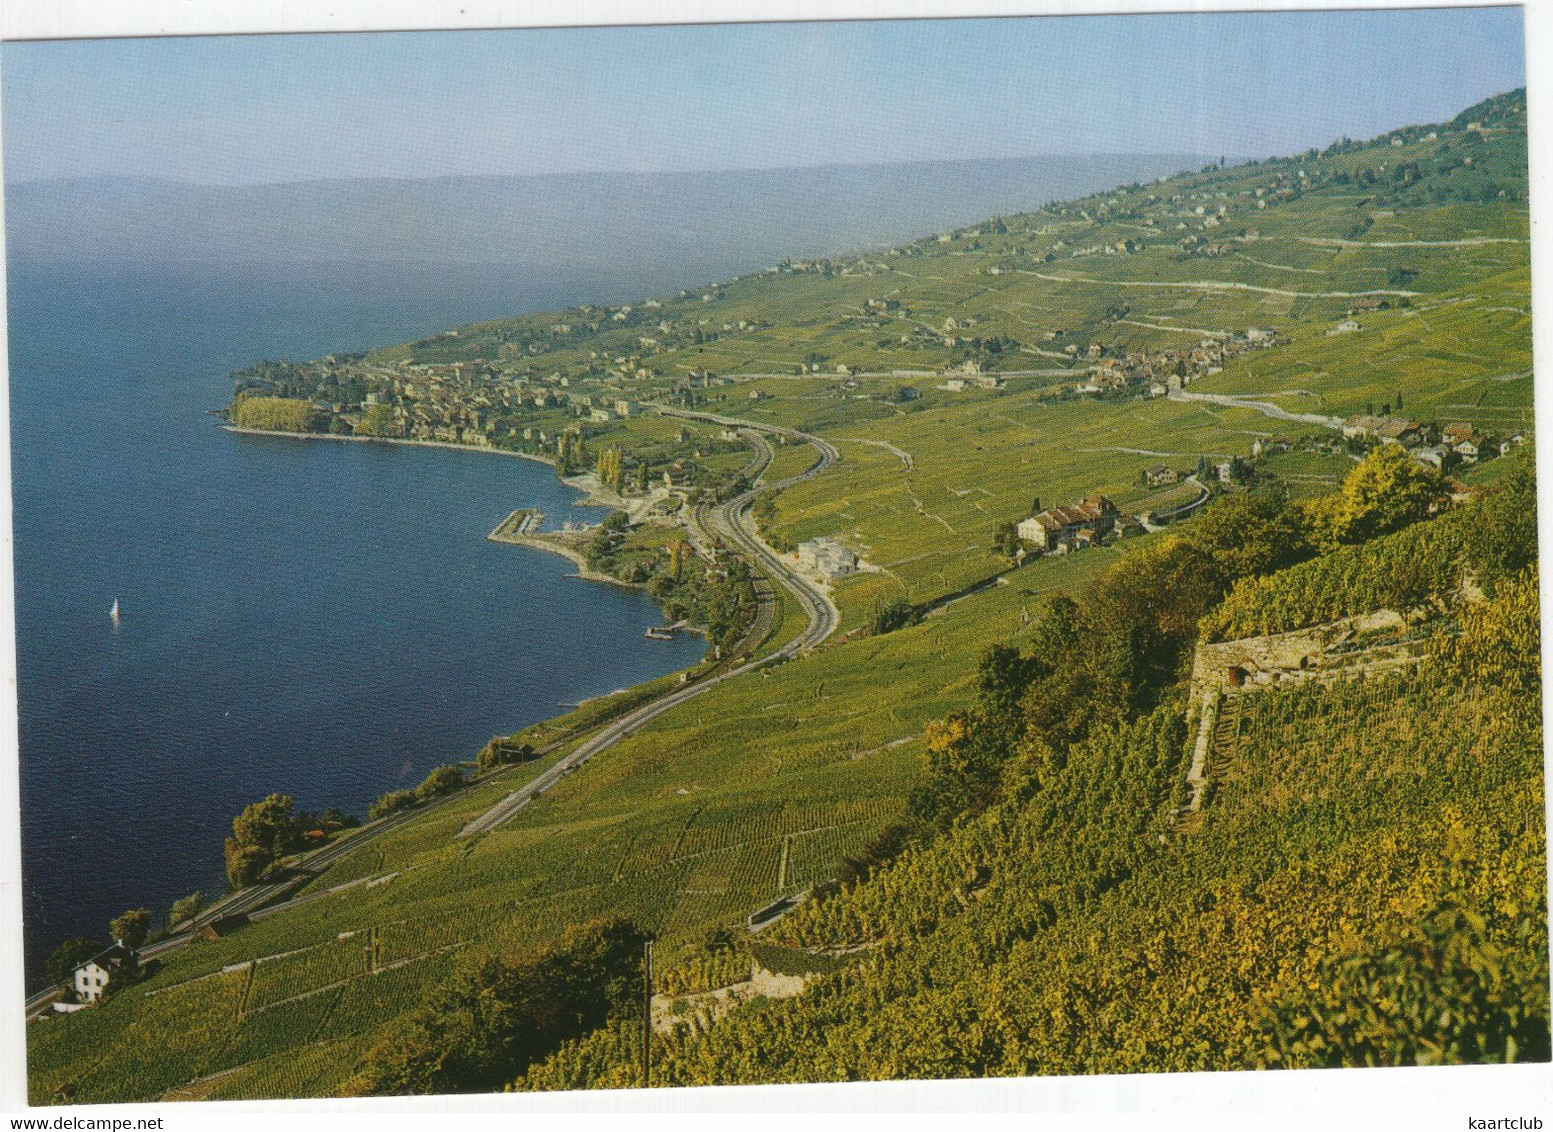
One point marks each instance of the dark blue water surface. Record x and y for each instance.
(318, 618)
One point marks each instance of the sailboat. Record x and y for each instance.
(114, 611)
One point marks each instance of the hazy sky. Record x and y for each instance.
(279, 108)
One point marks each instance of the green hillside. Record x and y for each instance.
(1377, 840)
(985, 805)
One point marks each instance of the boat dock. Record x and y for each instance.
(669, 632)
(517, 526)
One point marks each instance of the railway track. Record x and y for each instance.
(731, 522)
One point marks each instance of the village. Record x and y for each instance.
(1168, 371)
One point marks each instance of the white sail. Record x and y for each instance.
(114, 612)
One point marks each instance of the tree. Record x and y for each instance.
(245, 865)
(263, 832)
(1005, 540)
(131, 928)
(891, 615)
(1386, 492)
(65, 958)
(1506, 539)
(391, 802)
(491, 1020)
(1147, 607)
(610, 467)
(439, 781)
(1252, 533)
(187, 908)
(269, 825)
(332, 818)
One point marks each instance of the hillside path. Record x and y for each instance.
(904, 456)
(1217, 285)
(1247, 401)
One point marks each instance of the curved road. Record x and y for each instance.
(732, 521)
(1247, 401)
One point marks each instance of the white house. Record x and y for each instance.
(1031, 530)
(93, 977)
(826, 557)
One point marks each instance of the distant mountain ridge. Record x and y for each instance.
(724, 221)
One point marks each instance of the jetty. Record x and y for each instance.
(517, 526)
(521, 528)
(669, 632)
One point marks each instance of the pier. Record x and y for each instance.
(517, 526)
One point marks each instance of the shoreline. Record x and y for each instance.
(583, 481)
(549, 541)
(390, 440)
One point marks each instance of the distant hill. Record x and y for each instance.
(694, 224)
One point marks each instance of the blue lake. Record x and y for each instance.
(317, 618)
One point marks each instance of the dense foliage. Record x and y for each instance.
(1420, 565)
(493, 1018)
(65, 958)
(281, 414)
(131, 928)
(262, 833)
(1386, 492)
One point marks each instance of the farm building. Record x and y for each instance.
(1362, 425)
(1397, 430)
(1054, 525)
(826, 557)
(92, 978)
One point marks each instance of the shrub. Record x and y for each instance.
(391, 802)
(69, 955)
(439, 781)
(187, 908)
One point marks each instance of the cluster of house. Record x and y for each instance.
(456, 403)
(1457, 441)
(1165, 371)
(603, 409)
(966, 375)
(1064, 528)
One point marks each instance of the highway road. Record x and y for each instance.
(732, 522)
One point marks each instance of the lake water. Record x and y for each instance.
(322, 619)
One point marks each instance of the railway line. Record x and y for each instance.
(731, 523)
